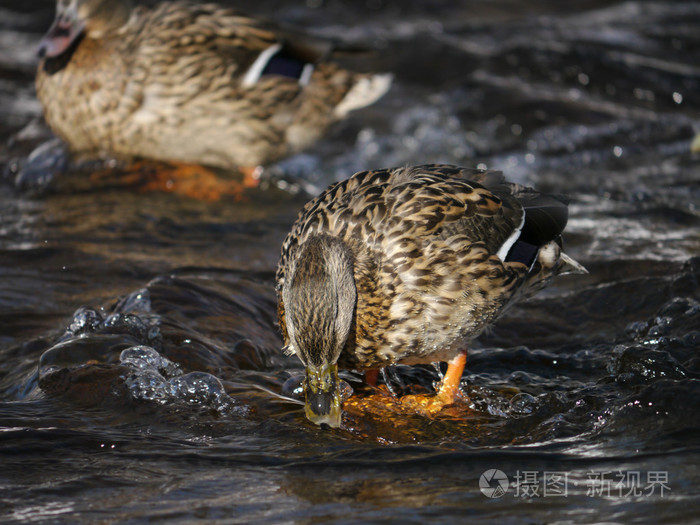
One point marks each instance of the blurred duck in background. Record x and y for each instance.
(191, 84)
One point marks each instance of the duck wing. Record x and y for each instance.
(209, 39)
(511, 220)
(449, 202)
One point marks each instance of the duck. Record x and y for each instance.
(190, 83)
(408, 265)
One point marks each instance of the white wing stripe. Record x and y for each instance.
(255, 70)
(510, 241)
(306, 74)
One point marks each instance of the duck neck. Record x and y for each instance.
(320, 300)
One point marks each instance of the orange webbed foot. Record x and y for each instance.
(190, 180)
(425, 404)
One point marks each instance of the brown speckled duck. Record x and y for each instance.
(407, 265)
(191, 83)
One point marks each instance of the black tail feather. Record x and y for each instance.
(545, 217)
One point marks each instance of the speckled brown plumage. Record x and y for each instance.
(174, 83)
(423, 244)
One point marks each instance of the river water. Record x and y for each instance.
(141, 378)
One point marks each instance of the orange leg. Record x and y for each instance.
(446, 394)
(371, 376)
(450, 383)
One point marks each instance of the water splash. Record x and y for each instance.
(154, 378)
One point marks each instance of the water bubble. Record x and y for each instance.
(85, 320)
(294, 387)
(139, 356)
(523, 404)
(488, 401)
(156, 379)
(147, 386)
(150, 370)
(346, 391)
(200, 389)
(519, 377)
(144, 327)
(145, 357)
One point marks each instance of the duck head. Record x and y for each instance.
(319, 298)
(77, 18)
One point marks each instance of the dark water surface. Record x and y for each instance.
(140, 374)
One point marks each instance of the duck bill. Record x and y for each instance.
(569, 265)
(62, 33)
(323, 395)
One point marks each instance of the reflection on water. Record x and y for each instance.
(142, 376)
